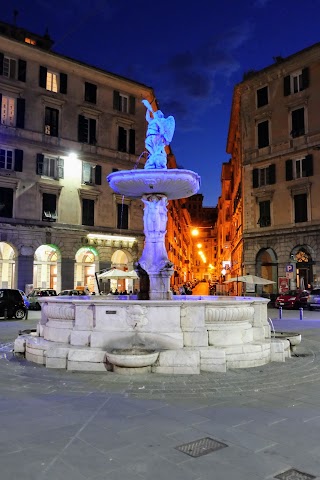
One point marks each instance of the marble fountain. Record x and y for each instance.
(162, 334)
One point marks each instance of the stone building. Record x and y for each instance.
(274, 140)
(64, 127)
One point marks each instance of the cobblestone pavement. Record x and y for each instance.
(62, 425)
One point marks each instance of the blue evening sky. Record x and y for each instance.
(191, 53)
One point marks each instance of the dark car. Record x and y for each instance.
(292, 299)
(314, 299)
(69, 293)
(12, 303)
(39, 292)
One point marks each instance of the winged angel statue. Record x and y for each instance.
(159, 134)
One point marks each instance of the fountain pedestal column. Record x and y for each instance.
(154, 259)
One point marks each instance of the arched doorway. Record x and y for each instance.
(267, 267)
(45, 267)
(7, 265)
(85, 267)
(304, 271)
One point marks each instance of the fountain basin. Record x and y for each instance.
(132, 357)
(294, 338)
(173, 183)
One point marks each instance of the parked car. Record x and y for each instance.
(39, 292)
(25, 299)
(314, 299)
(12, 304)
(70, 292)
(292, 299)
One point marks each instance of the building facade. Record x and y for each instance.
(274, 140)
(64, 127)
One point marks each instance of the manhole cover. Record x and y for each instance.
(294, 474)
(201, 447)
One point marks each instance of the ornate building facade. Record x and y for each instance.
(274, 141)
(64, 127)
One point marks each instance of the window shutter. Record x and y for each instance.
(82, 129)
(90, 92)
(0, 100)
(21, 105)
(40, 161)
(132, 141)
(1, 63)
(286, 86)
(272, 174)
(255, 178)
(86, 173)
(18, 160)
(98, 175)
(22, 70)
(308, 164)
(42, 77)
(60, 167)
(92, 131)
(305, 78)
(122, 140)
(116, 100)
(132, 105)
(289, 174)
(63, 82)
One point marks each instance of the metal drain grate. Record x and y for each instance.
(294, 474)
(201, 447)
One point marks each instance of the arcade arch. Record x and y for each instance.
(7, 265)
(45, 267)
(87, 263)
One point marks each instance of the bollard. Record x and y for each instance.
(280, 313)
(301, 313)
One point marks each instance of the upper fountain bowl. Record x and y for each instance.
(173, 183)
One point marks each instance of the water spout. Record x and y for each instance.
(272, 327)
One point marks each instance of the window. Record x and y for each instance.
(296, 82)
(122, 216)
(13, 68)
(90, 92)
(126, 140)
(8, 111)
(87, 130)
(6, 202)
(264, 211)
(302, 167)
(91, 174)
(297, 123)
(124, 103)
(11, 159)
(12, 111)
(264, 176)
(262, 97)
(52, 167)
(51, 122)
(53, 81)
(263, 134)
(49, 207)
(87, 212)
(300, 208)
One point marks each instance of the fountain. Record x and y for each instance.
(158, 333)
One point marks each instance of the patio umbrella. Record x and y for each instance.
(117, 274)
(253, 279)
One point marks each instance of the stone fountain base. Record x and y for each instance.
(188, 335)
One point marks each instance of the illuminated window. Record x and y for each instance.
(52, 82)
(30, 40)
(8, 111)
